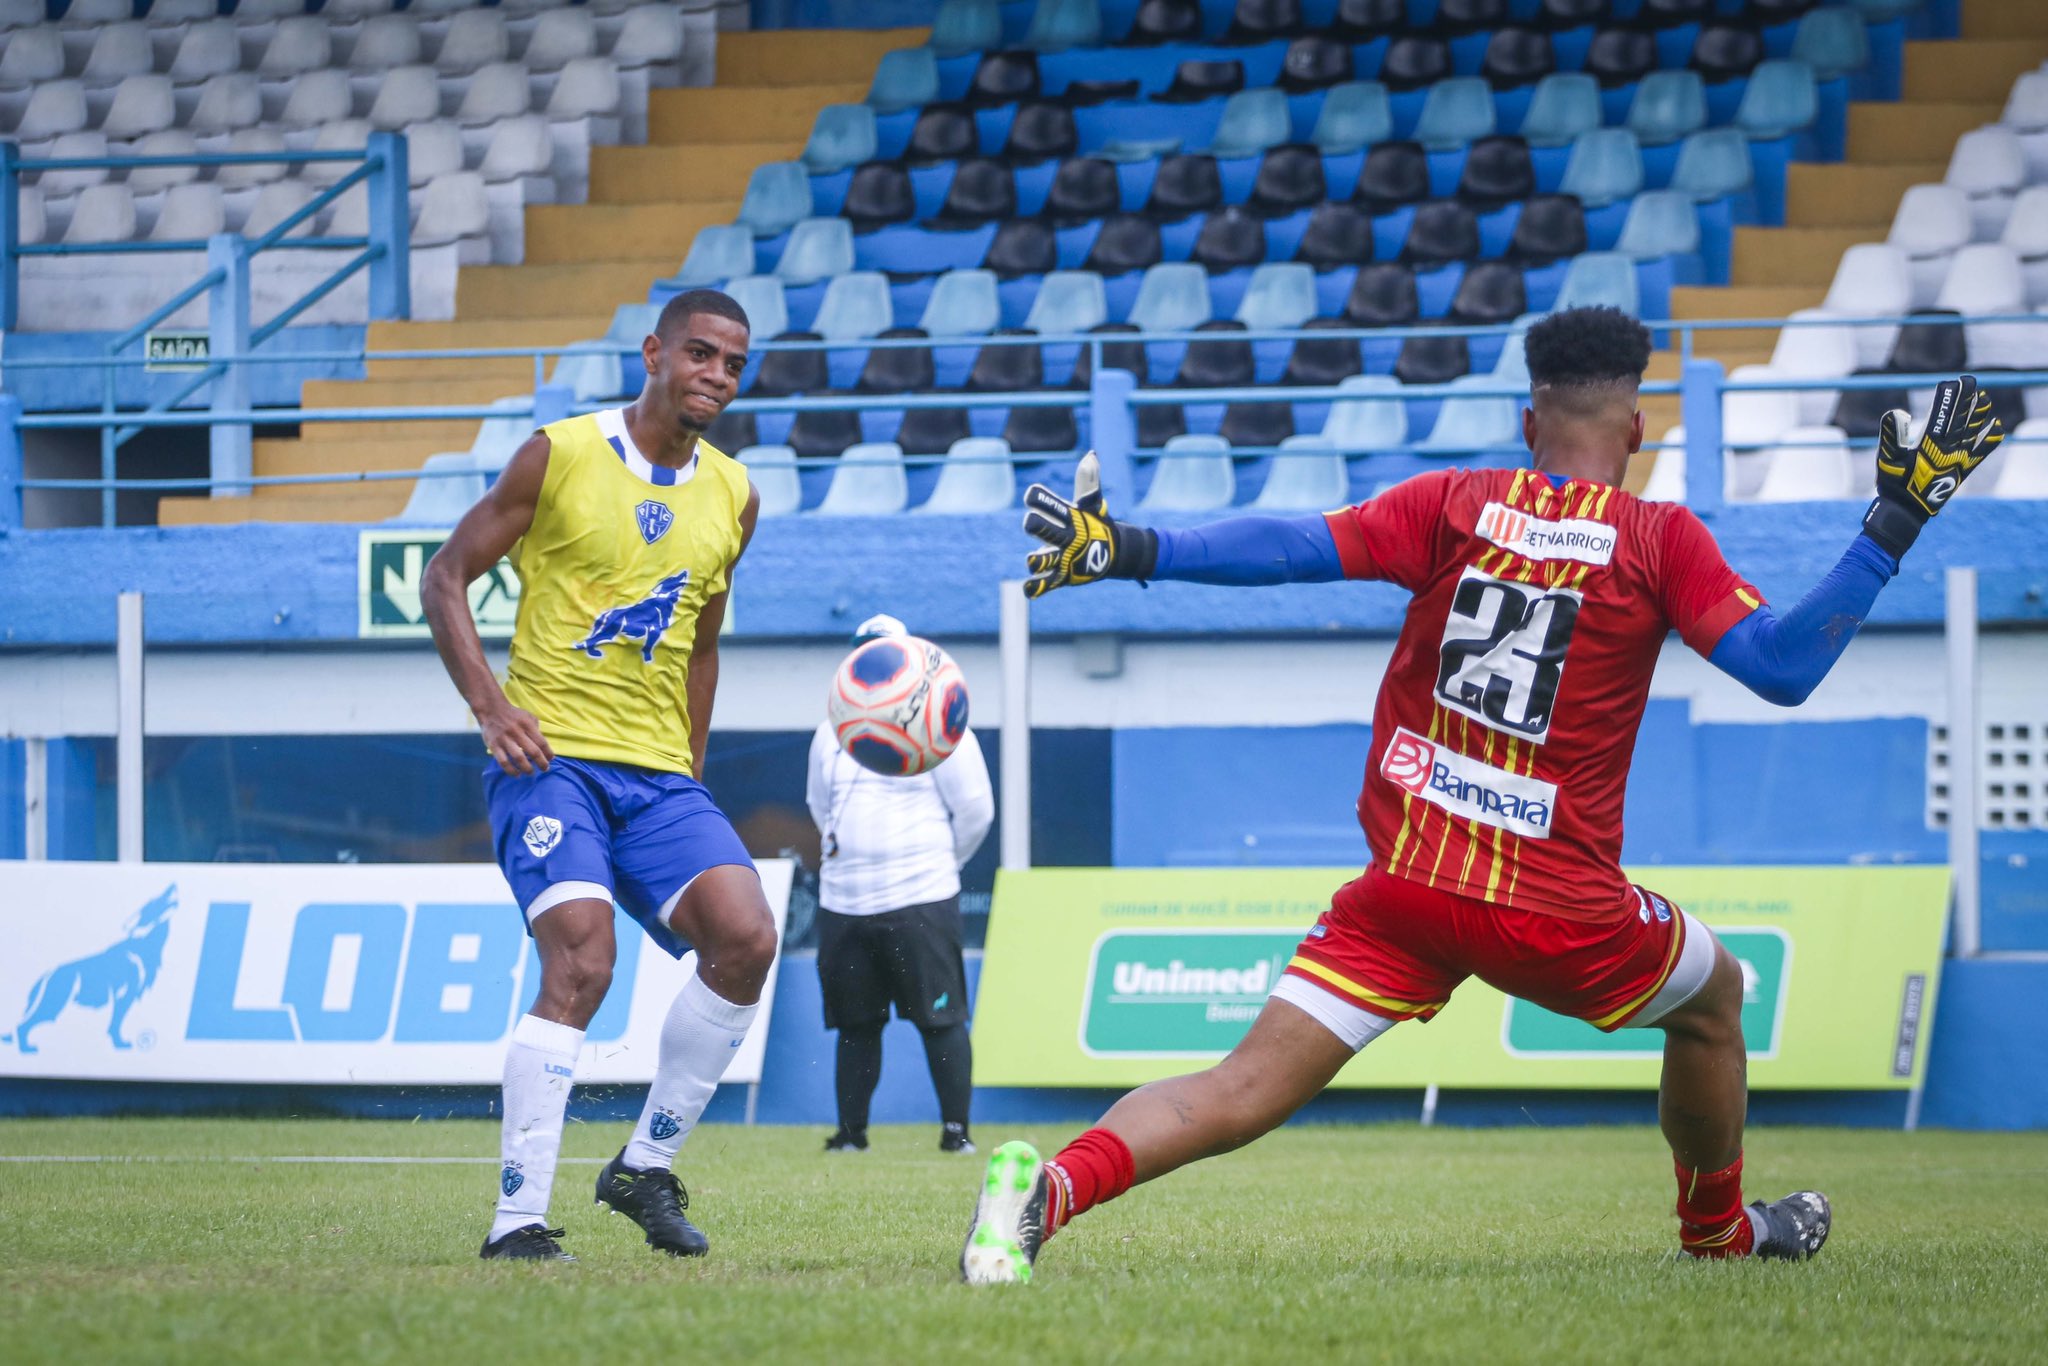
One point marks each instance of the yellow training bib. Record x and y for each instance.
(620, 559)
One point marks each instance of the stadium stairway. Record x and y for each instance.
(1832, 206)
(646, 204)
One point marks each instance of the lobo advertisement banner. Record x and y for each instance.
(1117, 976)
(303, 973)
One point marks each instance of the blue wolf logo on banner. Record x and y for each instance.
(116, 976)
(644, 621)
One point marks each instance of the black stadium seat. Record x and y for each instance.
(1125, 242)
(1007, 369)
(816, 433)
(1194, 82)
(1361, 21)
(1079, 93)
(982, 189)
(1724, 52)
(1444, 231)
(1041, 131)
(1766, 12)
(1165, 21)
(1498, 170)
(1323, 360)
(1394, 173)
(1186, 183)
(1455, 17)
(1560, 14)
(1257, 424)
(932, 431)
(1217, 364)
(1290, 179)
(1433, 360)
(896, 369)
(1930, 348)
(1123, 354)
(733, 432)
(1230, 238)
(783, 373)
(944, 132)
(1491, 292)
(1859, 411)
(1022, 246)
(1159, 423)
(1516, 57)
(1259, 21)
(1041, 429)
(1551, 227)
(1337, 235)
(1004, 78)
(1083, 188)
(1620, 56)
(1314, 62)
(1671, 13)
(1383, 295)
(1413, 61)
(878, 194)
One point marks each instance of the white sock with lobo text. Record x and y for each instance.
(698, 1039)
(540, 1066)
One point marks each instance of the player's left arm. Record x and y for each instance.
(703, 679)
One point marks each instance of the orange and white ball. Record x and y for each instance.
(898, 705)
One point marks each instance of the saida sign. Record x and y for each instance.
(390, 566)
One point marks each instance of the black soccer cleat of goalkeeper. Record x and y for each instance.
(529, 1243)
(1087, 544)
(655, 1200)
(1791, 1229)
(1916, 481)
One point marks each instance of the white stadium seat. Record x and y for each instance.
(2026, 236)
(1754, 420)
(432, 150)
(142, 104)
(1309, 475)
(456, 209)
(650, 36)
(1985, 279)
(560, 36)
(254, 172)
(1815, 352)
(408, 95)
(1811, 464)
(304, 42)
(165, 142)
(190, 212)
(105, 213)
(772, 471)
(1989, 166)
(16, 14)
(519, 150)
(350, 216)
(277, 201)
(172, 14)
(475, 38)
(1932, 223)
(31, 221)
(251, 12)
(1666, 483)
(1874, 280)
(343, 135)
(118, 52)
(30, 57)
(205, 51)
(869, 482)
(86, 142)
(97, 13)
(54, 108)
(344, 11)
(1193, 474)
(497, 91)
(386, 41)
(587, 88)
(227, 103)
(977, 477)
(442, 500)
(317, 98)
(2025, 459)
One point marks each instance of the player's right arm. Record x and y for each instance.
(482, 538)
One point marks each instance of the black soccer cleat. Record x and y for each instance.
(654, 1200)
(953, 1139)
(846, 1140)
(1791, 1229)
(528, 1243)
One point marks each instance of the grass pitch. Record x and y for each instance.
(1373, 1244)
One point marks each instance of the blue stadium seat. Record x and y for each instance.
(1486, 428)
(1353, 116)
(1280, 295)
(1311, 476)
(1252, 121)
(766, 307)
(1361, 428)
(904, 79)
(1606, 165)
(855, 305)
(1712, 163)
(842, 137)
(1512, 367)
(718, 253)
(963, 26)
(772, 469)
(869, 481)
(778, 198)
(818, 249)
(1069, 301)
(1454, 112)
(1660, 223)
(1057, 25)
(1667, 106)
(498, 438)
(1781, 99)
(594, 370)
(1172, 297)
(976, 477)
(1833, 41)
(1600, 277)
(1565, 104)
(1192, 474)
(441, 501)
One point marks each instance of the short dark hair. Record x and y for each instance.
(677, 312)
(1586, 348)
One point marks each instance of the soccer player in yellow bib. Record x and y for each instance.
(624, 525)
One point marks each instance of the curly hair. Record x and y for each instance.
(1587, 348)
(677, 312)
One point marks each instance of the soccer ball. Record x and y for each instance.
(898, 705)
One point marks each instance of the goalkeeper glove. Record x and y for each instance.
(1914, 482)
(1086, 543)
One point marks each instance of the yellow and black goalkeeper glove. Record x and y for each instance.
(1086, 543)
(1914, 482)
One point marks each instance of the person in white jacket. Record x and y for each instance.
(889, 915)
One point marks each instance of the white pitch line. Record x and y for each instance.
(357, 1161)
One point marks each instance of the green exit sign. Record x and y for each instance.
(171, 351)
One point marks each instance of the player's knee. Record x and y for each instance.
(574, 984)
(744, 947)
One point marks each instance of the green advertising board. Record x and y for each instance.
(390, 566)
(1119, 976)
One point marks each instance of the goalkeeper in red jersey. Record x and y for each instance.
(1493, 789)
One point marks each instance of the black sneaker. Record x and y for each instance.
(655, 1200)
(528, 1243)
(953, 1139)
(847, 1141)
(1791, 1229)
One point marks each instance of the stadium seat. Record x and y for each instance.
(1933, 344)
(718, 252)
(103, 213)
(1667, 106)
(227, 103)
(983, 190)
(964, 26)
(1196, 81)
(1989, 165)
(594, 370)
(962, 303)
(30, 57)
(1872, 281)
(191, 213)
(869, 481)
(1712, 163)
(904, 79)
(1393, 174)
(384, 41)
(243, 176)
(1172, 297)
(1068, 302)
(1498, 171)
(1723, 52)
(1475, 425)
(142, 104)
(1433, 360)
(1810, 464)
(1511, 367)
(1007, 369)
(1003, 78)
(1164, 21)
(1516, 57)
(1125, 242)
(783, 373)
(1337, 234)
(1364, 427)
(1192, 474)
(409, 95)
(1551, 227)
(842, 137)
(1564, 105)
(1362, 21)
(1314, 62)
(452, 486)
(456, 210)
(1041, 131)
(1082, 188)
(977, 476)
(1832, 40)
(275, 203)
(589, 88)
(772, 471)
(779, 197)
(118, 51)
(2024, 458)
(2026, 236)
(943, 132)
(734, 431)
(1818, 351)
(1259, 21)
(206, 49)
(1443, 231)
(497, 91)
(1279, 296)
(1309, 475)
(1600, 277)
(1022, 246)
(932, 431)
(1413, 61)
(166, 142)
(1290, 179)
(822, 434)
(1456, 17)
(1383, 295)
(1353, 116)
(1781, 98)
(1230, 239)
(86, 142)
(1057, 25)
(817, 249)
(1605, 165)
(559, 37)
(317, 98)
(1933, 222)
(762, 298)
(1184, 184)
(1490, 292)
(1322, 361)
(1985, 280)
(1041, 430)
(1659, 223)
(1666, 483)
(31, 224)
(879, 193)
(855, 305)
(1454, 112)
(1620, 57)
(1752, 421)
(1252, 121)
(520, 150)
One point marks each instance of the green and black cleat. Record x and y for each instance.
(1791, 1229)
(1009, 1218)
(527, 1243)
(654, 1200)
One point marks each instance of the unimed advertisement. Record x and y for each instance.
(1118, 976)
(313, 973)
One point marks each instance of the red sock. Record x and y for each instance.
(1711, 1220)
(1095, 1167)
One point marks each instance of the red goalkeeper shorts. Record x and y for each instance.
(1389, 949)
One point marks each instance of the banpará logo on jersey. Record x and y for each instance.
(654, 518)
(1541, 538)
(645, 621)
(1469, 787)
(542, 834)
(114, 978)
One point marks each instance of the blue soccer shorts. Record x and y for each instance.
(582, 829)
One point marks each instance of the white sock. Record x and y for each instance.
(540, 1066)
(697, 1043)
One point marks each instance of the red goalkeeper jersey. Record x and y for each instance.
(1503, 731)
